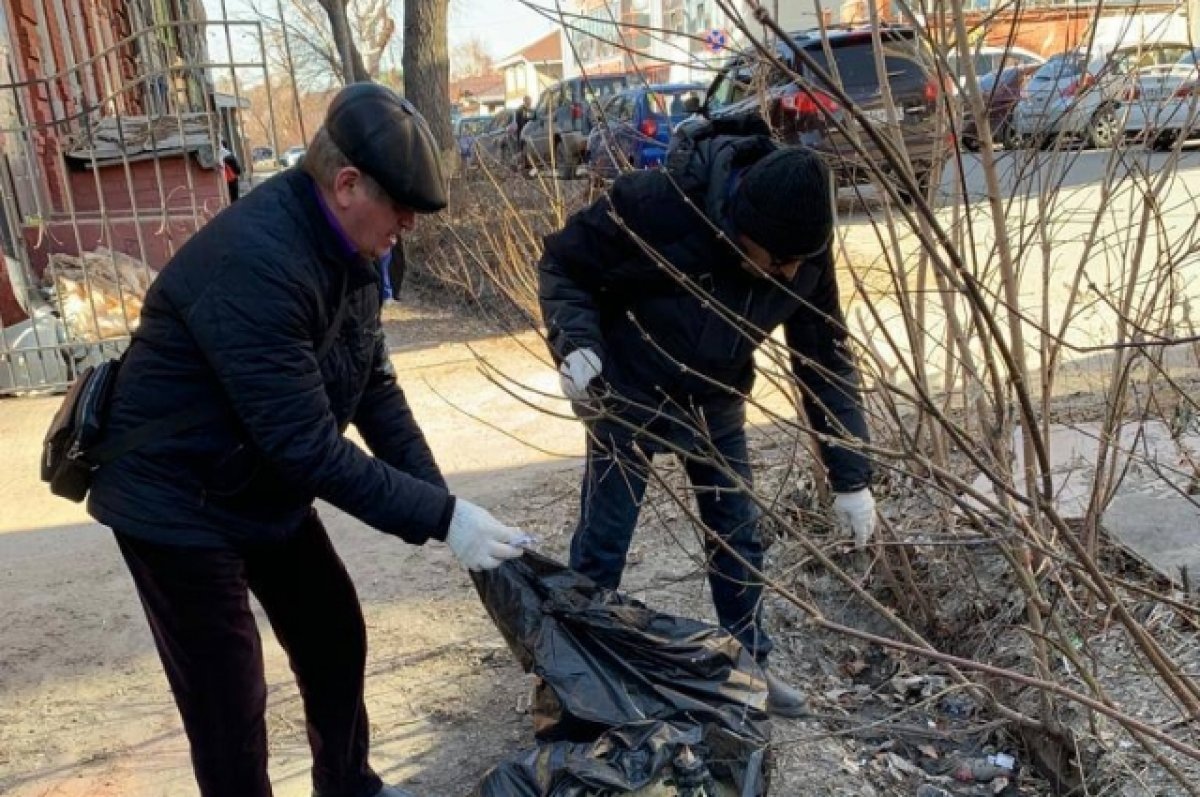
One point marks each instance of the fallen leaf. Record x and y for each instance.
(854, 667)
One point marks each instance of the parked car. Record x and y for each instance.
(292, 157)
(990, 60)
(805, 116)
(634, 127)
(262, 155)
(466, 128)
(1077, 94)
(557, 132)
(496, 144)
(1164, 106)
(1000, 93)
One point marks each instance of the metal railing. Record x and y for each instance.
(108, 165)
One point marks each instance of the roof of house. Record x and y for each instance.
(478, 86)
(548, 48)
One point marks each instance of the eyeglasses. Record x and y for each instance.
(777, 263)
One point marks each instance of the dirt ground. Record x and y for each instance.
(85, 709)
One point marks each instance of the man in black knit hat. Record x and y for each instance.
(655, 298)
(266, 325)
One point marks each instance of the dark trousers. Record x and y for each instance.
(614, 484)
(197, 602)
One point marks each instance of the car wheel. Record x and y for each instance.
(1010, 138)
(1164, 141)
(1102, 129)
(924, 176)
(970, 143)
(563, 162)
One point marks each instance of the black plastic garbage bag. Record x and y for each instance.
(608, 669)
(622, 760)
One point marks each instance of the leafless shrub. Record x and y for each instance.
(1015, 294)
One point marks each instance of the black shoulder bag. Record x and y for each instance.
(75, 447)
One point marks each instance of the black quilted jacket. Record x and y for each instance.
(677, 357)
(234, 322)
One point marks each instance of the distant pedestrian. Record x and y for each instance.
(392, 266)
(524, 114)
(233, 171)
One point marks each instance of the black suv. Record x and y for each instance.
(797, 115)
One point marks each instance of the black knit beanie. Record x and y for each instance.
(784, 203)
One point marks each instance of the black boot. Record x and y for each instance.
(784, 700)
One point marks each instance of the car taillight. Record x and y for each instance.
(1079, 85)
(1188, 90)
(932, 92)
(576, 111)
(648, 128)
(809, 103)
(1132, 93)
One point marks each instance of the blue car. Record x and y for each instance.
(466, 129)
(634, 126)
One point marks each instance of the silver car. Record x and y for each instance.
(558, 130)
(1080, 95)
(1166, 104)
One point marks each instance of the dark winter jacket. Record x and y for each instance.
(234, 321)
(668, 352)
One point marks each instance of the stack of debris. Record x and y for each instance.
(114, 137)
(100, 293)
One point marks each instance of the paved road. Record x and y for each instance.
(1088, 230)
(1024, 172)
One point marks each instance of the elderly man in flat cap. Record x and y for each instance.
(267, 323)
(655, 299)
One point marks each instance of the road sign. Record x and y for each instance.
(716, 40)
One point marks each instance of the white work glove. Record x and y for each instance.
(577, 372)
(855, 514)
(480, 541)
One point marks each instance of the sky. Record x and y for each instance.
(503, 25)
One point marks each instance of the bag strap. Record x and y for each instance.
(192, 417)
(173, 424)
(339, 316)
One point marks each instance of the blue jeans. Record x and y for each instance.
(614, 484)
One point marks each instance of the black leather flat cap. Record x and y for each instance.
(387, 138)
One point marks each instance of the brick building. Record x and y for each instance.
(109, 131)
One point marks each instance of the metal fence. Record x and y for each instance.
(114, 133)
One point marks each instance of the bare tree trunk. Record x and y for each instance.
(352, 63)
(427, 66)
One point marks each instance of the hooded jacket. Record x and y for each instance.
(234, 322)
(647, 277)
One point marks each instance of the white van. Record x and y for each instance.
(1129, 30)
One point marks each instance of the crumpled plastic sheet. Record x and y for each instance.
(623, 691)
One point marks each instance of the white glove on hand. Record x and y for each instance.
(577, 371)
(478, 540)
(855, 513)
